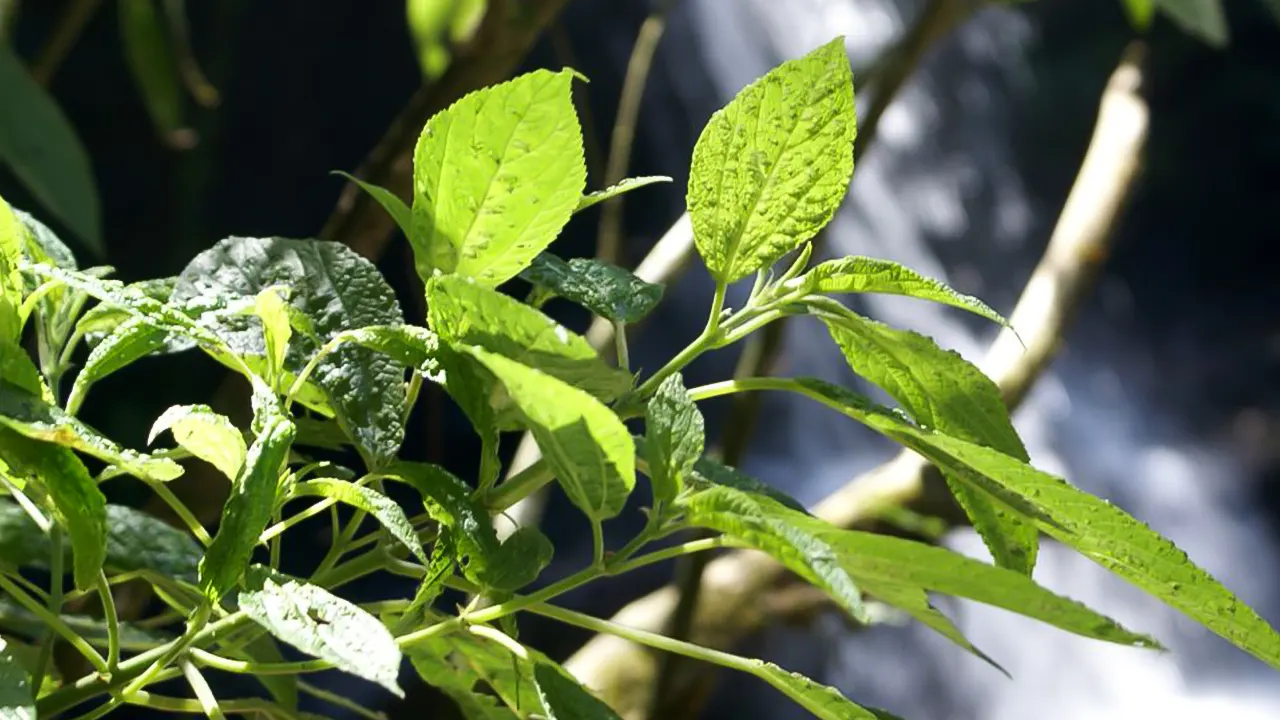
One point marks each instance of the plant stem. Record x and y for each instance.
(56, 571)
(521, 485)
(64, 37)
(620, 345)
(705, 341)
(204, 694)
(296, 518)
(217, 662)
(180, 509)
(112, 620)
(170, 652)
(340, 701)
(597, 543)
(55, 622)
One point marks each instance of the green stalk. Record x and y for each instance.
(55, 622)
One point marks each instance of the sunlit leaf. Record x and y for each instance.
(371, 501)
(625, 185)
(872, 275)
(205, 434)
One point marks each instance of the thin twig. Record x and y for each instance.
(609, 244)
(64, 37)
(734, 584)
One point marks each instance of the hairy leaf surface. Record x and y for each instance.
(675, 434)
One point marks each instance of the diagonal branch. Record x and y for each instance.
(734, 584)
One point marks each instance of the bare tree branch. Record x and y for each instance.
(734, 584)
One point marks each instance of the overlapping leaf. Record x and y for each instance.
(872, 275)
(206, 434)
(607, 290)
(371, 501)
(675, 433)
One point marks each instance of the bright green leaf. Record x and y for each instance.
(17, 699)
(463, 312)
(249, 508)
(271, 307)
(496, 176)
(371, 501)
(872, 275)
(206, 434)
(437, 25)
(42, 149)
(16, 368)
(1100, 531)
(622, 186)
(771, 528)
(28, 415)
(1140, 12)
(13, 236)
(586, 444)
(826, 703)
(409, 345)
(338, 290)
(942, 390)
(322, 625)
(390, 202)
(132, 340)
(675, 432)
(135, 540)
(773, 165)
(607, 290)
(78, 504)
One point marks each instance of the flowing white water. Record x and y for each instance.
(940, 191)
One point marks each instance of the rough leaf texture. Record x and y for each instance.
(338, 290)
(772, 166)
(205, 434)
(496, 176)
(371, 501)
(675, 434)
(622, 186)
(607, 290)
(872, 275)
(322, 625)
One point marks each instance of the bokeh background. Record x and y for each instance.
(1164, 399)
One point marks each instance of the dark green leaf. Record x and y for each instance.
(42, 149)
(206, 434)
(16, 367)
(504, 566)
(1204, 19)
(622, 186)
(871, 275)
(776, 530)
(496, 176)
(17, 699)
(78, 504)
(915, 601)
(389, 201)
(585, 443)
(151, 60)
(1102, 532)
(132, 637)
(132, 340)
(338, 290)
(464, 312)
(607, 290)
(770, 169)
(563, 697)
(371, 501)
(708, 472)
(322, 625)
(28, 415)
(942, 390)
(675, 432)
(248, 510)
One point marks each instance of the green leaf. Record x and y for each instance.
(100, 320)
(1204, 19)
(585, 443)
(872, 275)
(132, 637)
(42, 149)
(625, 185)
(31, 416)
(1140, 12)
(496, 176)
(151, 60)
(769, 527)
(463, 312)
(271, 307)
(390, 202)
(675, 432)
(371, 501)
(823, 701)
(1100, 531)
(78, 504)
(135, 540)
(132, 340)
(43, 244)
(13, 236)
(915, 601)
(506, 566)
(772, 166)
(409, 345)
(338, 290)
(437, 25)
(607, 290)
(206, 434)
(17, 699)
(16, 367)
(942, 390)
(252, 500)
(322, 625)
(563, 697)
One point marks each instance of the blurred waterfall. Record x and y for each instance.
(942, 191)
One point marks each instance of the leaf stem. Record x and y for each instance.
(597, 543)
(620, 345)
(204, 694)
(180, 509)
(170, 652)
(56, 571)
(521, 485)
(217, 662)
(55, 622)
(705, 341)
(112, 619)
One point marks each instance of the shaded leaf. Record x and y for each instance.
(609, 291)
(872, 275)
(563, 697)
(584, 442)
(389, 201)
(1203, 19)
(78, 505)
(769, 527)
(206, 434)
(496, 176)
(44, 152)
(17, 696)
(371, 501)
(338, 290)
(915, 601)
(675, 432)
(942, 390)
(625, 185)
(29, 415)
(132, 637)
(772, 166)
(322, 625)
(823, 701)
(409, 345)
(151, 61)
